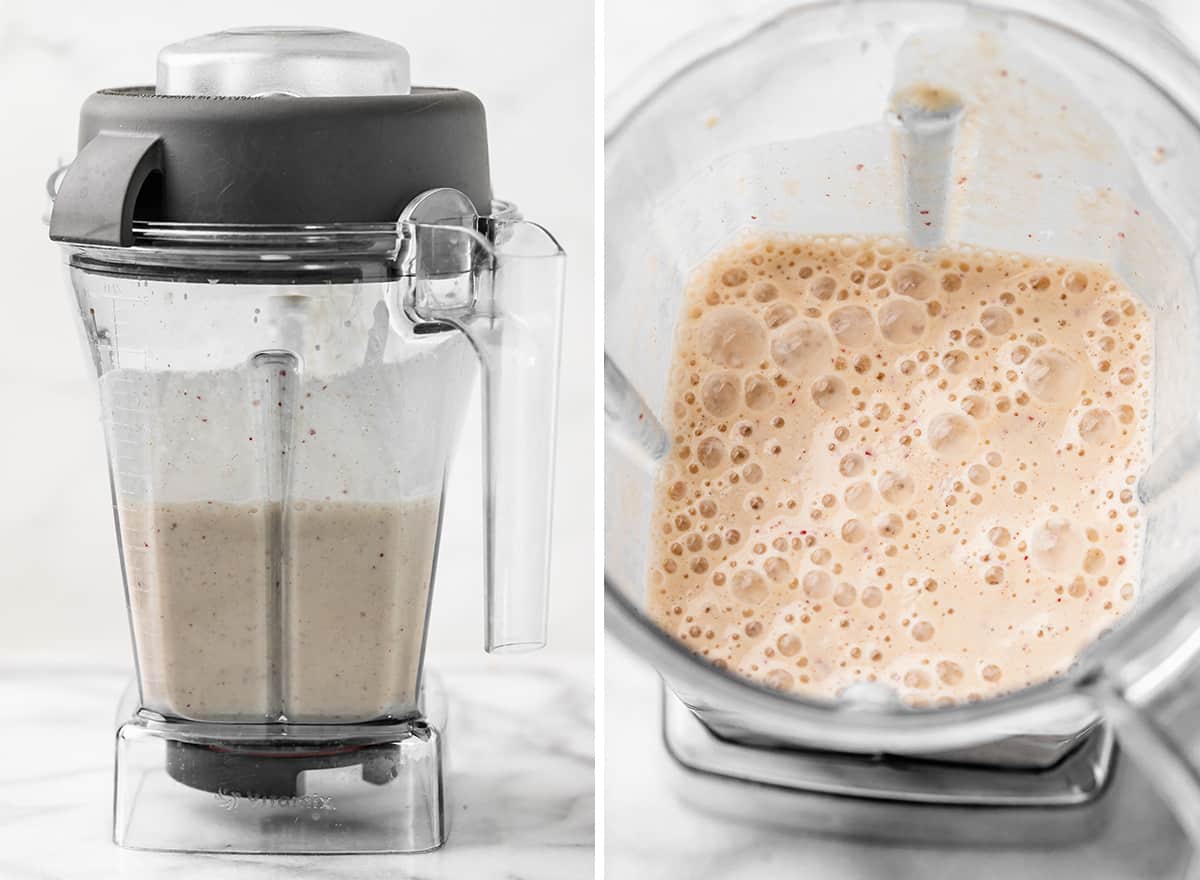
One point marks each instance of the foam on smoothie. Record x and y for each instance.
(900, 466)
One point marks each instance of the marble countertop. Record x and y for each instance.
(654, 833)
(527, 815)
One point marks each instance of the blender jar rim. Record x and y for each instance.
(626, 99)
(302, 249)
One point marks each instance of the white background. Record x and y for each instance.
(530, 62)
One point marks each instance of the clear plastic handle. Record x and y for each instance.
(1144, 682)
(499, 281)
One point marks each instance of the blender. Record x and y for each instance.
(1064, 130)
(287, 262)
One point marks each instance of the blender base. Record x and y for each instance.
(186, 786)
(888, 798)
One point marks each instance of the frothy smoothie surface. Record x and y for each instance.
(910, 467)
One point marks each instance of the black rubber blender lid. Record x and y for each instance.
(274, 159)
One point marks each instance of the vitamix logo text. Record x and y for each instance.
(229, 800)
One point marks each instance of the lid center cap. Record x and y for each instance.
(304, 62)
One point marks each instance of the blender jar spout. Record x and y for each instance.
(499, 280)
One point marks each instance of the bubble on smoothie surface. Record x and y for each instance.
(732, 338)
(975, 406)
(777, 569)
(720, 393)
(912, 280)
(907, 469)
(779, 314)
(923, 631)
(916, 679)
(844, 595)
(853, 531)
(830, 393)
(1053, 376)
(889, 525)
(851, 465)
(779, 679)
(951, 434)
(896, 487)
(749, 587)
(759, 392)
(824, 287)
(902, 321)
(1056, 545)
(996, 320)
(764, 291)
(817, 584)
(801, 348)
(858, 495)
(734, 276)
(949, 672)
(710, 452)
(853, 326)
(955, 361)
(788, 645)
(1097, 426)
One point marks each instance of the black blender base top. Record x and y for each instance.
(272, 770)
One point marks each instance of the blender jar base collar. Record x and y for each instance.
(184, 786)
(884, 796)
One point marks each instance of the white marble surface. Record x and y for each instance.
(521, 782)
(652, 833)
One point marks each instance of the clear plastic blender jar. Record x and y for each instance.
(1072, 133)
(287, 263)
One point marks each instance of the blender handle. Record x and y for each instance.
(1144, 687)
(1156, 753)
(504, 291)
(1144, 735)
(515, 330)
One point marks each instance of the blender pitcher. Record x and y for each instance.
(287, 261)
(1068, 129)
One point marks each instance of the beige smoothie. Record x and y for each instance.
(913, 468)
(341, 640)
